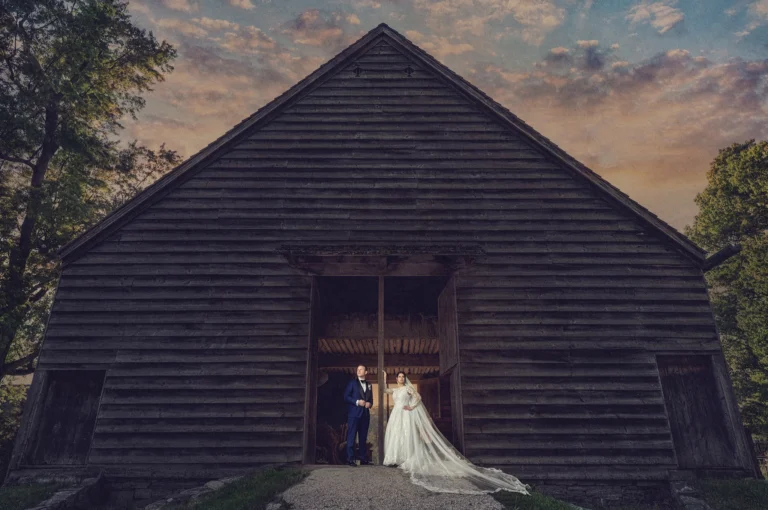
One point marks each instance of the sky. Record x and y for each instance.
(643, 92)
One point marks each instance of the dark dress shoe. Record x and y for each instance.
(366, 463)
(352, 463)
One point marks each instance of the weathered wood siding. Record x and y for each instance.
(204, 328)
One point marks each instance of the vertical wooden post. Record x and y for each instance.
(380, 372)
(310, 392)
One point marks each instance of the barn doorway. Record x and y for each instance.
(399, 323)
(697, 414)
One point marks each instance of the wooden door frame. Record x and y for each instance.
(310, 397)
(380, 373)
(452, 368)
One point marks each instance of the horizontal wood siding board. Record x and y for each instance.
(246, 456)
(165, 441)
(115, 427)
(253, 344)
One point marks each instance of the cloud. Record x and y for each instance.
(645, 126)
(228, 35)
(532, 19)
(475, 25)
(140, 7)
(215, 24)
(757, 15)
(327, 30)
(247, 40)
(182, 27)
(559, 56)
(438, 46)
(243, 4)
(661, 15)
(586, 56)
(181, 5)
(352, 19)
(210, 91)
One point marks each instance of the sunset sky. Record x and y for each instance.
(642, 92)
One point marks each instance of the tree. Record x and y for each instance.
(70, 70)
(733, 208)
(75, 195)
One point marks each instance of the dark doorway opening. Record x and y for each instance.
(696, 412)
(349, 332)
(70, 403)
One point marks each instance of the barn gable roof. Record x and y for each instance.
(167, 183)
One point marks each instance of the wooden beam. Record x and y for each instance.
(362, 326)
(721, 256)
(391, 379)
(380, 373)
(405, 264)
(369, 360)
(310, 396)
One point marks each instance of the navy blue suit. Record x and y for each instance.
(358, 418)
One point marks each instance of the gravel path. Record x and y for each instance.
(374, 488)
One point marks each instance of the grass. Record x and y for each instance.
(252, 492)
(19, 497)
(534, 501)
(734, 494)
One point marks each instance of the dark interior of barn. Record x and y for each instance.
(347, 332)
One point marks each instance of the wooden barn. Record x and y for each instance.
(384, 211)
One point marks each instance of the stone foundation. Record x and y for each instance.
(90, 493)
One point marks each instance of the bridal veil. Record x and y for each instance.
(437, 466)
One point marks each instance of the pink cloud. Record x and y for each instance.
(661, 15)
(328, 30)
(181, 5)
(243, 4)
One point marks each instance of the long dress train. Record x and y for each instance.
(413, 442)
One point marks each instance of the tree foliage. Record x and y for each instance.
(75, 196)
(70, 70)
(733, 208)
(11, 405)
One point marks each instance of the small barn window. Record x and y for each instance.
(70, 402)
(696, 412)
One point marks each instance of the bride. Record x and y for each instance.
(413, 443)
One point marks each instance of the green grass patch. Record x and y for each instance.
(534, 501)
(19, 497)
(734, 494)
(252, 492)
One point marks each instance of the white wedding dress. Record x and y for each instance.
(413, 443)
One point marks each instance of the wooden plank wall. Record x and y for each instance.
(204, 328)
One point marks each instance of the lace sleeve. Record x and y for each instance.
(415, 399)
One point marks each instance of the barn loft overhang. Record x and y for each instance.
(380, 261)
(263, 116)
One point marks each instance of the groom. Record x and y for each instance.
(359, 399)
